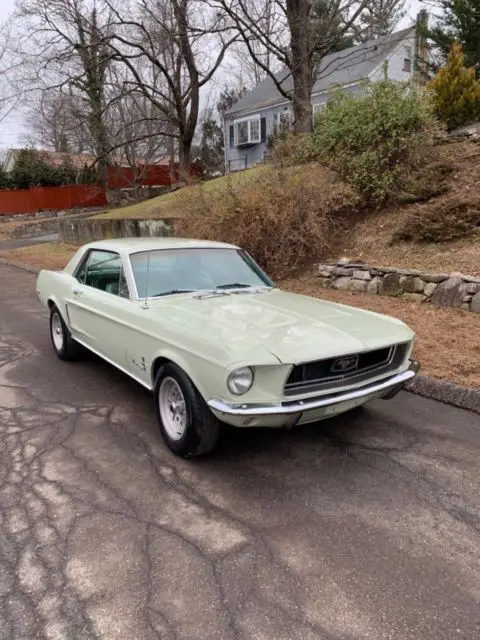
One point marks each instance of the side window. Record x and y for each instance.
(82, 268)
(104, 271)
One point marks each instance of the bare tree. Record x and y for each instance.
(9, 91)
(135, 124)
(180, 46)
(299, 42)
(379, 18)
(62, 44)
(58, 121)
(246, 71)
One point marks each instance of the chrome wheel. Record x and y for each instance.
(57, 332)
(172, 408)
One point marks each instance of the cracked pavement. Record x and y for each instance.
(363, 527)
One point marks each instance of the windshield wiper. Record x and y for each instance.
(236, 285)
(171, 292)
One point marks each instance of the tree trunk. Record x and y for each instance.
(302, 108)
(302, 63)
(99, 133)
(184, 159)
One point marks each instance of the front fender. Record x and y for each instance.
(207, 376)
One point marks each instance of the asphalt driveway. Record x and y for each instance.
(367, 526)
(18, 243)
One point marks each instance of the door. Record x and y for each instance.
(99, 307)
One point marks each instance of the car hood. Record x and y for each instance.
(294, 328)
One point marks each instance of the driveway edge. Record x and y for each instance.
(426, 386)
(19, 265)
(446, 392)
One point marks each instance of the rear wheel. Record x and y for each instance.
(63, 344)
(187, 425)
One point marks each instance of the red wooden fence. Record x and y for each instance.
(154, 176)
(82, 195)
(53, 198)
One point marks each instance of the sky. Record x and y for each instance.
(12, 128)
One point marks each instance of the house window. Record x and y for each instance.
(247, 132)
(281, 120)
(407, 59)
(320, 106)
(255, 130)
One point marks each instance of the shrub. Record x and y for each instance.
(372, 140)
(442, 223)
(288, 149)
(456, 91)
(283, 218)
(5, 182)
(31, 170)
(429, 181)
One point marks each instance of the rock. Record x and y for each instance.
(467, 298)
(341, 271)
(341, 283)
(362, 275)
(413, 284)
(409, 272)
(473, 287)
(413, 297)
(429, 289)
(475, 303)
(357, 265)
(465, 306)
(324, 282)
(387, 270)
(390, 285)
(450, 293)
(358, 285)
(434, 277)
(323, 273)
(372, 286)
(458, 274)
(343, 261)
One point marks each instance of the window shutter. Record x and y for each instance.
(232, 136)
(263, 129)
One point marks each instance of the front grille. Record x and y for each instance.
(327, 374)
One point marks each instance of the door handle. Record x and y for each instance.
(77, 292)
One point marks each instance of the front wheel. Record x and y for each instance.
(187, 425)
(63, 344)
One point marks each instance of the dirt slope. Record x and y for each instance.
(369, 240)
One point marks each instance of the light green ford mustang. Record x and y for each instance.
(200, 325)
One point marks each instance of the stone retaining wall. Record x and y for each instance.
(44, 227)
(91, 229)
(443, 289)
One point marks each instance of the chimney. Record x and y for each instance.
(421, 47)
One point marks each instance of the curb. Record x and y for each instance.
(19, 265)
(425, 386)
(446, 392)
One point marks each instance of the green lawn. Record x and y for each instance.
(169, 205)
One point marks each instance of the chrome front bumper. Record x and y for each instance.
(291, 413)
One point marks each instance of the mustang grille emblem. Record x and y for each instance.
(345, 364)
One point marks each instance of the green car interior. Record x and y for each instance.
(104, 271)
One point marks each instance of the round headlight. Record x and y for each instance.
(240, 381)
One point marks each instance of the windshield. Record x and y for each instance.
(171, 271)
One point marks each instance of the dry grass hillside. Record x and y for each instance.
(448, 193)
